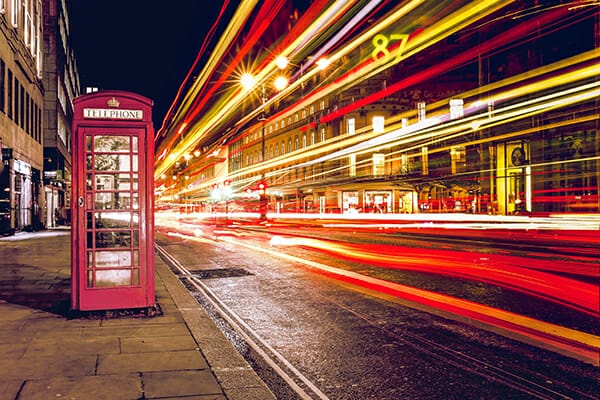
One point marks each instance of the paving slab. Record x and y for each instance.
(151, 362)
(108, 387)
(180, 383)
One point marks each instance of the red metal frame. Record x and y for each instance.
(112, 203)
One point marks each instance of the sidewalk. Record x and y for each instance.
(45, 353)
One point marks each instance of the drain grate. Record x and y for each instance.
(220, 273)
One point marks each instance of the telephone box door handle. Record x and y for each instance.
(80, 201)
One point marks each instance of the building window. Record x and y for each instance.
(421, 111)
(456, 108)
(22, 108)
(296, 143)
(303, 113)
(378, 124)
(312, 110)
(296, 117)
(312, 137)
(304, 140)
(2, 84)
(282, 148)
(322, 134)
(14, 12)
(351, 126)
(322, 105)
(9, 95)
(289, 145)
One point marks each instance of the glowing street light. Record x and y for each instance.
(281, 83)
(323, 63)
(282, 62)
(248, 81)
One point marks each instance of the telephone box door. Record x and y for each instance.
(113, 241)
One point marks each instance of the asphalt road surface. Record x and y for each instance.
(332, 340)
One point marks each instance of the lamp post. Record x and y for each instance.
(248, 81)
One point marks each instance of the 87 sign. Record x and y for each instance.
(381, 44)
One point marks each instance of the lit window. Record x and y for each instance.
(296, 143)
(14, 12)
(282, 123)
(378, 124)
(312, 109)
(303, 114)
(322, 105)
(296, 117)
(312, 137)
(456, 108)
(304, 140)
(322, 134)
(350, 126)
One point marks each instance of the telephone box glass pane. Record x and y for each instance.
(134, 182)
(113, 277)
(113, 239)
(114, 258)
(136, 277)
(118, 220)
(112, 200)
(106, 182)
(89, 181)
(110, 143)
(134, 145)
(88, 143)
(112, 162)
(88, 162)
(134, 163)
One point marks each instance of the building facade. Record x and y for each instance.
(21, 122)
(443, 110)
(504, 121)
(62, 86)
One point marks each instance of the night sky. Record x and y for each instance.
(143, 46)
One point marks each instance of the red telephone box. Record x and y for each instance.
(112, 210)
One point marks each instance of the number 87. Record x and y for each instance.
(381, 42)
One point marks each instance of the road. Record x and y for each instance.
(331, 338)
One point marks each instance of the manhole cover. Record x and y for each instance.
(220, 273)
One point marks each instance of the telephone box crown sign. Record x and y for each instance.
(113, 102)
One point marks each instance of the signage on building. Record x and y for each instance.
(22, 167)
(108, 113)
